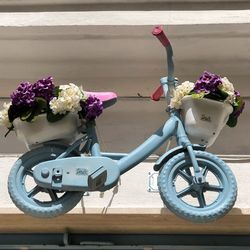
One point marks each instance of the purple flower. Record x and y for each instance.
(23, 95)
(44, 88)
(237, 93)
(208, 83)
(91, 108)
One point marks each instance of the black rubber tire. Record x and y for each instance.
(20, 196)
(227, 187)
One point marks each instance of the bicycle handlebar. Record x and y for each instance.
(159, 33)
(156, 96)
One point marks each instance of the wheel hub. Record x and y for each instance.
(197, 188)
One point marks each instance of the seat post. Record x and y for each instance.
(91, 132)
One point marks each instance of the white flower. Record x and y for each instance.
(228, 87)
(68, 99)
(180, 91)
(4, 118)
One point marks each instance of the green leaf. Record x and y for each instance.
(15, 112)
(215, 96)
(54, 118)
(223, 95)
(239, 103)
(198, 95)
(232, 121)
(12, 113)
(56, 91)
(41, 103)
(26, 114)
(9, 130)
(40, 107)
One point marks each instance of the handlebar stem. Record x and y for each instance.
(168, 86)
(170, 63)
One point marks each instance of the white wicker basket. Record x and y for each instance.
(204, 119)
(39, 131)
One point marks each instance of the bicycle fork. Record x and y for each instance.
(198, 175)
(182, 139)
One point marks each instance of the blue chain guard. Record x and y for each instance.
(77, 174)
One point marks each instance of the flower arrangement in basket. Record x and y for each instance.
(207, 106)
(42, 111)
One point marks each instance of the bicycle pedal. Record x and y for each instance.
(97, 179)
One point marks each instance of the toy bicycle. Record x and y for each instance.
(193, 184)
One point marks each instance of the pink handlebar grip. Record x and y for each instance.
(156, 96)
(159, 33)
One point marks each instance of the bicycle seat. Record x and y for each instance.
(108, 98)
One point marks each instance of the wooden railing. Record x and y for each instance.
(128, 208)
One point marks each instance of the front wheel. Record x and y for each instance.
(197, 202)
(33, 199)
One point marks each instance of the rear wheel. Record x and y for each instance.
(197, 202)
(33, 199)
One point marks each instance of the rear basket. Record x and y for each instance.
(39, 131)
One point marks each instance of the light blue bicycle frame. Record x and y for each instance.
(172, 127)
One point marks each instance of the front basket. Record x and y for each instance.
(204, 119)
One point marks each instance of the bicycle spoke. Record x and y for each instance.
(184, 192)
(53, 195)
(185, 176)
(188, 171)
(214, 188)
(29, 172)
(201, 199)
(205, 171)
(34, 191)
